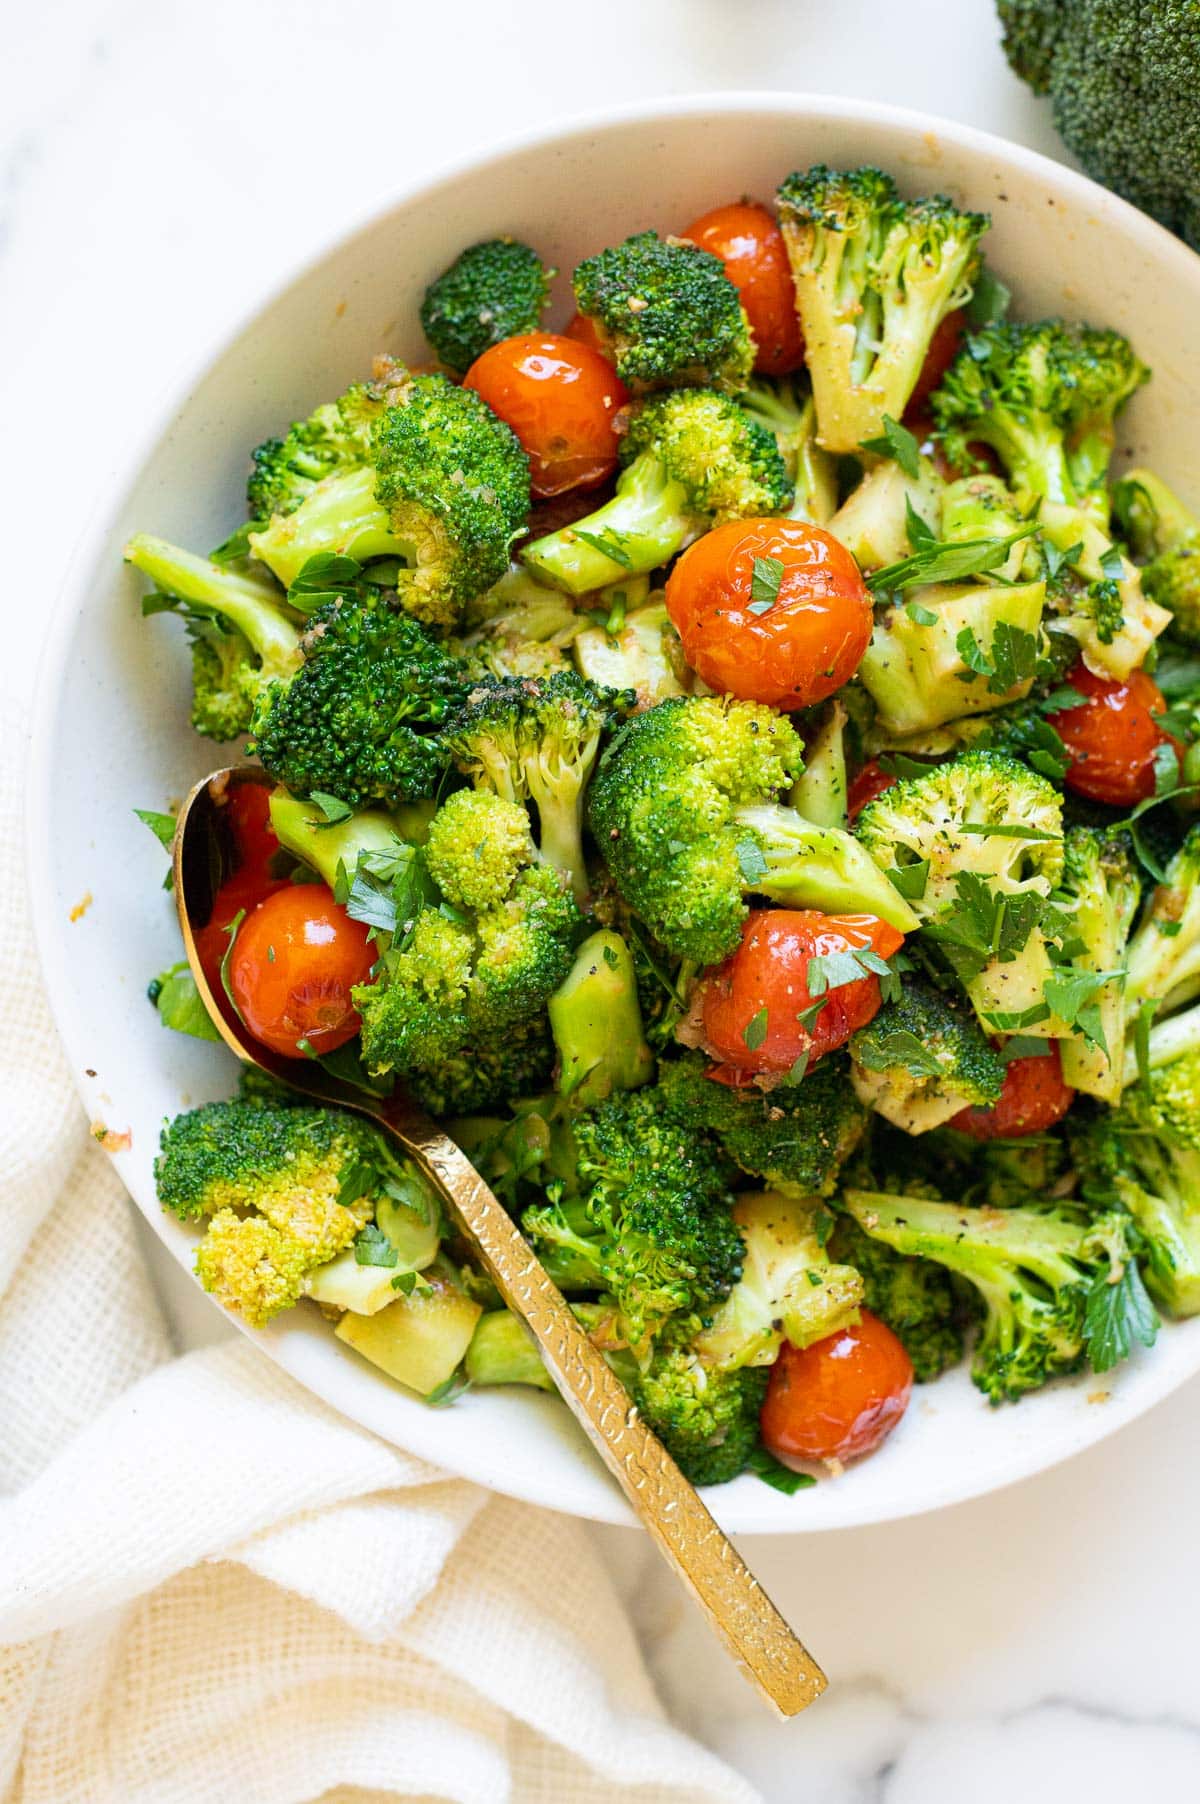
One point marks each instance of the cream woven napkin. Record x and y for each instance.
(212, 1588)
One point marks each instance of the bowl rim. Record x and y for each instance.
(139, 444)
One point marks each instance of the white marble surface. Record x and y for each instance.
(160, 164)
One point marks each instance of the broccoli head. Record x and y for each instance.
(667, 315)
(915, 1297)
(691, 459)
(1122, 80)
(244, 637)
(1057, 1284)
(793, 1136)
(446, 493)
(875, 276)
(1146, 1155)
(536, 740)
(1099, 890)
(922, 1059)
(337, 436)
(358, 719)
(649, 1224)
(706, 1418)
(490, 292)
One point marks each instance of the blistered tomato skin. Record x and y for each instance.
(839, 1398)
(867, 783)
(788, 645)
(750, 1006)
(1112, 736)
(1033, 1099)
(561, 398)
(944, 347)
(295, 959)
(750, 245)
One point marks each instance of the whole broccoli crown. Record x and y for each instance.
(334, 437)
(507, 725)
(661, 809)
(454, 478)
(862, 203)
(1123, 82)
(914, 1297)
(490, 292)
(1172, 580)
(228, 682)
(252, 1267)
(669, 312)
(706, 1419)
(923, 818)
(486, 1074)
(477, 843)
(1018, 385)
(526, 946)
(288, 1163)
(797, 1134)
(355, 721)
(729, 463)
(1098, 863)
(927, 1037)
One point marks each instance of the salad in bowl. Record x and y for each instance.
(732, 760)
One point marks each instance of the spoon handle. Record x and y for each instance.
(737, 1607)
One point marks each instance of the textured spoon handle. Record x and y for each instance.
(736, 1605)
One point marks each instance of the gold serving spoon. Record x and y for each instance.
(709, 1566)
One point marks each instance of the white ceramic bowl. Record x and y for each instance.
(112, 731)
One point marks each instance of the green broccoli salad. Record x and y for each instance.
(736, 761)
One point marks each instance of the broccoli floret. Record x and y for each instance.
(914, 1297)
(789, 1289)
(706, 1418)
(922, 1059)
(283, 1187)
(940, 653)
(335, 437)
(1044, 396)
(1160, 528)
(792, 417)
(357, 719)
(875, 276)
(986, 834)
(1057, 1284)
(536, 740)
(477, 844)
(650, 1226)
(679, 808)
(1164, 953)
(667, 314)
(486, 1074)
(1100, 889)
(1146, 1154)
(793, 1136)
(490, 292)
(691, 459)
(447, 492)
(1122, 79)
(244, 638)
(596, 1021)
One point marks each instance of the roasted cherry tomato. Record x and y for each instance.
(770, 610)
(1034, 1097)
(561, 398)
(584, 330)
(295, 960)
(238, 895)
(1112, 736)
(839, 1398)
(248, 810)
(750, 245)
(865, 785)
(944, 347)
(750, 1006)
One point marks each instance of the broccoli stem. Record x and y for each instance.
(819, 793)
(502, 1351)
(597, 1023)
(1169, 1040)
(302, 829)
(254, 607)
(645, 523)
(340, 515)
(820, 867)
